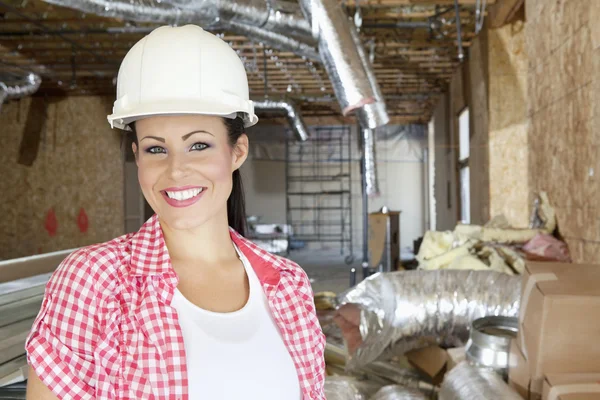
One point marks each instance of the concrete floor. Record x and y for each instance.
(326, 269)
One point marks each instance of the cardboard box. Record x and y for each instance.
(431, 361)
(519, 377)
(572, 387)
(559, 328)
(384, 240)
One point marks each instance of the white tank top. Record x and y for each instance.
(237, 355)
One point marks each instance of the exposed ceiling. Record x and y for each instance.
(413, 42)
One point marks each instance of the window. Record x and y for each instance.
(463, 165)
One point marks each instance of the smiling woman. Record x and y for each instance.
(185, 305)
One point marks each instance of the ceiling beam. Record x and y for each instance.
(503, 12)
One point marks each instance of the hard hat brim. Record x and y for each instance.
(178, 107)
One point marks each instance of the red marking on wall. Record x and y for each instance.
(51, 224)
(83, 221)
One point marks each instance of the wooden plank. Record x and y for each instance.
(503, 12)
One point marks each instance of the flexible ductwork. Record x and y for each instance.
(277, 41)
(210, 14)
(465, 382)
(292, 112)
(21, 88)
(402, 311)
(341, 56)
(397, 392)
(3, 94)
(374, 114)
(370, 162)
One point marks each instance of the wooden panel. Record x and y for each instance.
(78, 167)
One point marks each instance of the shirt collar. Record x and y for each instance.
(150, 256)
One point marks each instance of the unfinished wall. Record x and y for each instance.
(401, 170)
(564, 113)
(62, 175)
(508, 123)
(492, 83)
(475, 79)
(445, 184)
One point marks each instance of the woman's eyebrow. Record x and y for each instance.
(186, 136)
(154, 137)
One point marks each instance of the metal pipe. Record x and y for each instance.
(370, 162)
(208, 13)
(276, 40)
(374, 114)
(400, 24)
(26, 86)
(293, 114)
(341, 55)
(461, 53)
(365, 215)
(405, 310)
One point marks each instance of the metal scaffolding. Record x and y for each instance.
(319, 190)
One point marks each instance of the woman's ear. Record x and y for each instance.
(240, 152)
(135, 152)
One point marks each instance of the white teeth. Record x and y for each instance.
(184, 194)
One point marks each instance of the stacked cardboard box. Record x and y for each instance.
(559, 326)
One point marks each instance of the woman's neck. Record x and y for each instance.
(208, 244)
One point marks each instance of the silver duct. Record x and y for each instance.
(21, 88)
(26, 86)
(374, 114)
(276, 40)
(3, 94)
(341, 56)
(211, 14)
(293, 114)
(397, 392)
(370, 162)
(465, 382)
(402, 311)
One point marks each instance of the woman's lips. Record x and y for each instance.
(183, 196)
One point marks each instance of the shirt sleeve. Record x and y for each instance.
(60, 346)
(318, 390)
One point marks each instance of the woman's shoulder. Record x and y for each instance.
(94, 266)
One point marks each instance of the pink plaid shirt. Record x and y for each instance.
(106, 328)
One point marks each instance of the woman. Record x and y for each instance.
(186, 308)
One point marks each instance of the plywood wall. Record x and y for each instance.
(62, 175)
(508, 123)
(476, 85)
(564, 114)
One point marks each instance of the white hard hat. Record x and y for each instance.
(181, 70)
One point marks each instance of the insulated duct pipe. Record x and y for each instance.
(402, 311)
(22, 88)
(374, 114)
(211, 14)
(293, 114)
(341, 55)
(277, 41)
(369, 160)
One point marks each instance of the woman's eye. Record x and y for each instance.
(155, 150)
(198, 146)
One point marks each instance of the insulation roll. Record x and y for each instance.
(397, 392)
(465, 382)
(348, 388)
(389, 314)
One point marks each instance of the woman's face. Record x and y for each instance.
(185, 166)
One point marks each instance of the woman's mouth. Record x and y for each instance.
(182, 197)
